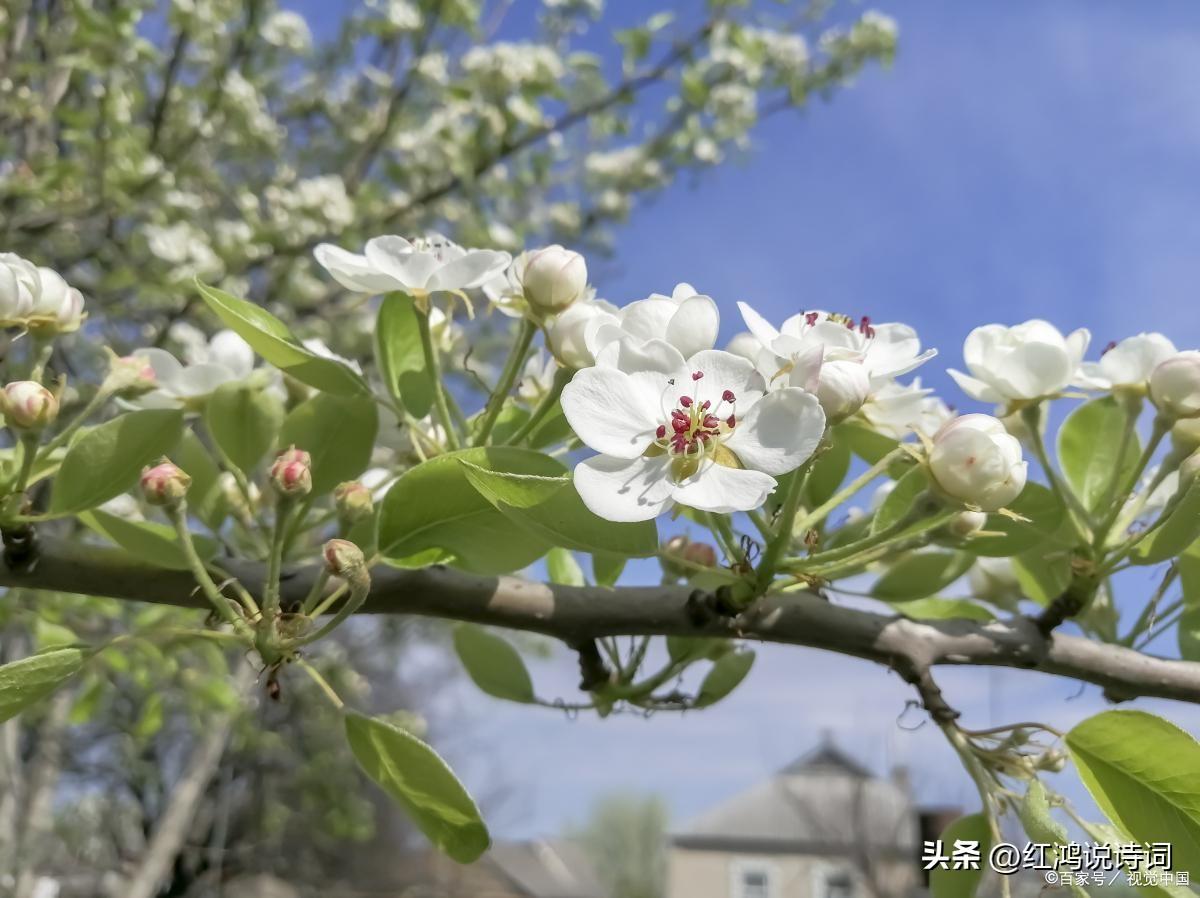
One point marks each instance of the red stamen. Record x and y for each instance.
(811, 318)
(661, 432)
(696, 375)
(728, 396)
(711, 421)
(1112, 344)
(731, 421)
(685, 401)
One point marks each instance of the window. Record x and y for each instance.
(752, 879)
(838, 884)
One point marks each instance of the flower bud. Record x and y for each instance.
(1185, 435)
(1175, 385)
(58, 307)
(291, 474)
(975, 460)
(28, 405)
(995, 581)
(967, 522)
(353, 501)
(164, 484)
(553, 278)
(568, 335)
(681, 557)
(343, 559)
(842, 389)
(130, 375)
(19, 287)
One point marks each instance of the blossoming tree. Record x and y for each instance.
(598, 443)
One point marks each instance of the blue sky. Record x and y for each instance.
(1018, 160)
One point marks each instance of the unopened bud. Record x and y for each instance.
(164, 484)
(343, 559)
(354, 501)
(28, 405)
(966, 523)
(291, 474)
(1175, 385)
(974, 459)
(1053, 760)
(130, 375)
(842, 388)
(700, 554)
(1185, 435)
(553, 278)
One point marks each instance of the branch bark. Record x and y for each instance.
(578, 614)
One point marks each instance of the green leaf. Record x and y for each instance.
(1043, 576)
(943, 609)
(517, 490)
(869, 445)
(206, 499)
(400, 357)
(28, 681)
(827, 473)
(900, 500)
(563, 568)
(1144, 773)
(1036, 819)
(607, 568)
(1044, 513)
(337, 431)
(493, 664)
(1107, 834)
(1088, 443)
(921, 574)
(432, 512)
(271, 339)
(50, 635)
(1189, 622)
(724, 677)
(950, 883)
(694, 648)
(150, 721)
(243, 422)
(1176, 533)
(422, 783)
(148, 541)
(107, 460)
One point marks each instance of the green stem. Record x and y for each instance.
(1032, 416)
(65, 434)
(760, 523)
(316, 677)
(29, 454)
(328, 602)
(561, 377)
(1160, 429)
(178, 515)
(359, 590)
(433, 365)
(783, 531)
(723, 533)
(818, 514)
(1146, 619)
(314, 595)
(283, 514)
(39, 356)
(508, 377)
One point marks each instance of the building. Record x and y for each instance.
(822, 827)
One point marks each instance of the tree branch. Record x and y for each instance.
(578, 614)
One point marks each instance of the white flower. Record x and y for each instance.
(699, 432)
(687, 320)
(223, 359)
(896, 409)
(1028, 361)
(571, 335)
(746, 345)
(317, 346)
(1126, 365)
(976, 460)
(37, 298)
(287, 29)
(538, 377)
(19, 286)
(553, 278)
(995, 581)
(1175, 385)
(417, 267)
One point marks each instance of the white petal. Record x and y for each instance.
(619, 489)
(230, 350)
(721, 371)
(1091, 376)
(1034, 369)
(806, 369)
(758, 325)
(981, 344)
(397, 257)
(470, 271)
(694, 326)
(352, 271)
(200, 380)
(611, 411)
(780, 432)
(1132, 360)
(1077, 343)
(724, 490)
(974, 387)
(647, 319)
(165, 366)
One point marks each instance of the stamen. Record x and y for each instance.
(696, 375)
(1112, 344)
(864, 327)
(811, 318)
(661, 432)
(728, 396)
(731, 421)
(685, 401)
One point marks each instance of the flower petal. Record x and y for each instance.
(780, 432)
(720, 371)
(694, 326)
(619, 489)
(395, 256)
(352, 270)
(469, 271)
(724, 490)
(974, 387)
(758, 325)
(611, 411)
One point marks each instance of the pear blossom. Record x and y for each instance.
(701, 432)
(1126, 365)
(1029, 361)
(686, 320)
(897, 409)
(224, 359)
(552, 278)
(317, 346)
(36, 297)
(418, 267)
(28, 405)
(1175, 385)
(995, 580)
(538, 378)
(20, 284)
(570, 335)
(974, 459)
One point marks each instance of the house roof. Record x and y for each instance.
(546, 869)
(822, 803)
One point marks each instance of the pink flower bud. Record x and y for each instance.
(164, 484)
(28, 405)
(354, 501)
(343, 559)
(130, 375)
(701, 554)
(291, 474)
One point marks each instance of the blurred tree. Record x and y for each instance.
(625, 838)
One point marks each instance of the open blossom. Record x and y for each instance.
(226, 358)
(1175, 385)
(686, 320)
(1126, 365)
(976, 460)
(37, 298)
(422, 266)
(571, 335)
(897, 409)
(700, 432)
(1028, 361)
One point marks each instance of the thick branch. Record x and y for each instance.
(578, 614)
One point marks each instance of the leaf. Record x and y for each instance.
(1034, 812)
(337, 431)
(422, 783)
(724, 677)
(920, 574)
(1144, 773)
(950, 883)
(1043, 576)
(607, 568)
(433, 512)
(271, 339)
(243, 422)
(1189, 622)
(1107, 834)
(205, 498)
(826, 474)
(49, 635)
(563, 568)
(28, 681)
(516, 490)
(150, 721)
(943, 609)
(493, 664)
(107, 460)
(1044, 513)
(400, 357)
(900, 500)
(869, 445)
(1088, 443)
(1176, 533)
(148, 541)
